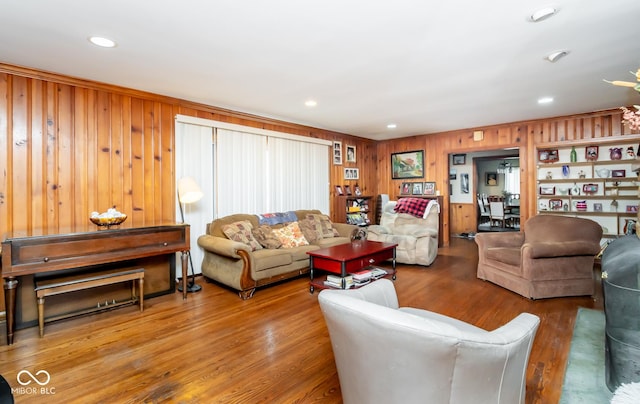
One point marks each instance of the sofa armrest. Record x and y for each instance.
(378, 229)
(563, 249)
(222, 246)
(417, 231)
(345, 229)
(492, 240)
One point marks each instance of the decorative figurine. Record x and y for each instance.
(631, 153)
(615, 153)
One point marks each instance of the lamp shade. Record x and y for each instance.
(188, 190)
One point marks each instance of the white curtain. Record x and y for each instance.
(299, 175)
(512, 181)
(194, 158)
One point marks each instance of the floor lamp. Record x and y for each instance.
(189, 192)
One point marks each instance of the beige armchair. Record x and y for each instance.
(387, 354)
(553, 257)
(417, 237)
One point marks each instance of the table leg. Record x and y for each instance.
(185, 265)
(311, 288)
(393, 264)
(10, 286)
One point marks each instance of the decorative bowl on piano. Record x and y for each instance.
(107, 219)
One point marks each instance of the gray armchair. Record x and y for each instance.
(388, 354)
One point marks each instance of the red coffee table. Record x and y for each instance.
(344, 259)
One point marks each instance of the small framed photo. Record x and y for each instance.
(351, 173)
(632, 208)
(459, 159)
(548, 155)
(406, 188)
(589, 189)
(429, 188)
(597, 207)
(417, 188)
(491, 179)
(618, 173)
(339, 191)
(356, 190)
(555, 204)
(591, 153)
(351, 154)
(337, 153)
(547, 190)
(347, 189)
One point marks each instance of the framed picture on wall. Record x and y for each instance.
(337, 153)
(351, 173)
(407, 164)
(491, 179)
(339, 190)
(351, 154)
(459, 159)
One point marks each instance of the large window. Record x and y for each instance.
(247, 170)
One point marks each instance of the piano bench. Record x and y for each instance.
(64, 284)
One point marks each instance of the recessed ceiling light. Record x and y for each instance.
(543, 14)
(310, 103)
(545, 100)
(555, 56)
(392, 126)
(103, 42)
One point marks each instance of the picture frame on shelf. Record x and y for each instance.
(548, 155)
(618, 173)
(459, 159)
(545, 190)
(417, 189)
(406, 188)
(357, 191)
(632, 208)
(589, 189)
(597, 207)
(591, 153)
(337, 153)
(555, 204)
(429, 188)
(347, 189)
(351, 154)
(339, 191)
(407, 164)
(491, 179)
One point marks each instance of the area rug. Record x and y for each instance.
(584, 378)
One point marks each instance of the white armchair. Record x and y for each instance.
(386, 354)
(417, 237)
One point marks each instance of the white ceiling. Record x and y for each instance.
(428, 66)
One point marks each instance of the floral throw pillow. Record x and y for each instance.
(266, 238)
(290, 235)
(323, 226)
(241, 232)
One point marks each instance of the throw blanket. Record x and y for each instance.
(417, 207)
(277, 218)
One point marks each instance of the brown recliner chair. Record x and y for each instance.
(553, 257)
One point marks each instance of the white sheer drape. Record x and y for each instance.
(194, 158)
(512, 181)
(241, 174)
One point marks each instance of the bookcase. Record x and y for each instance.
(355, 210)
(591, 180)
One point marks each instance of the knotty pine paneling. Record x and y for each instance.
(72, 146)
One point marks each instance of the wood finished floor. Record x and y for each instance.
(273, 348)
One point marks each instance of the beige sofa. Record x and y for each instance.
(417, 237)
(239, 266)
(390, 354)
(553, 257)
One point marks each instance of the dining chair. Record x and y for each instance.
(496, 213)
